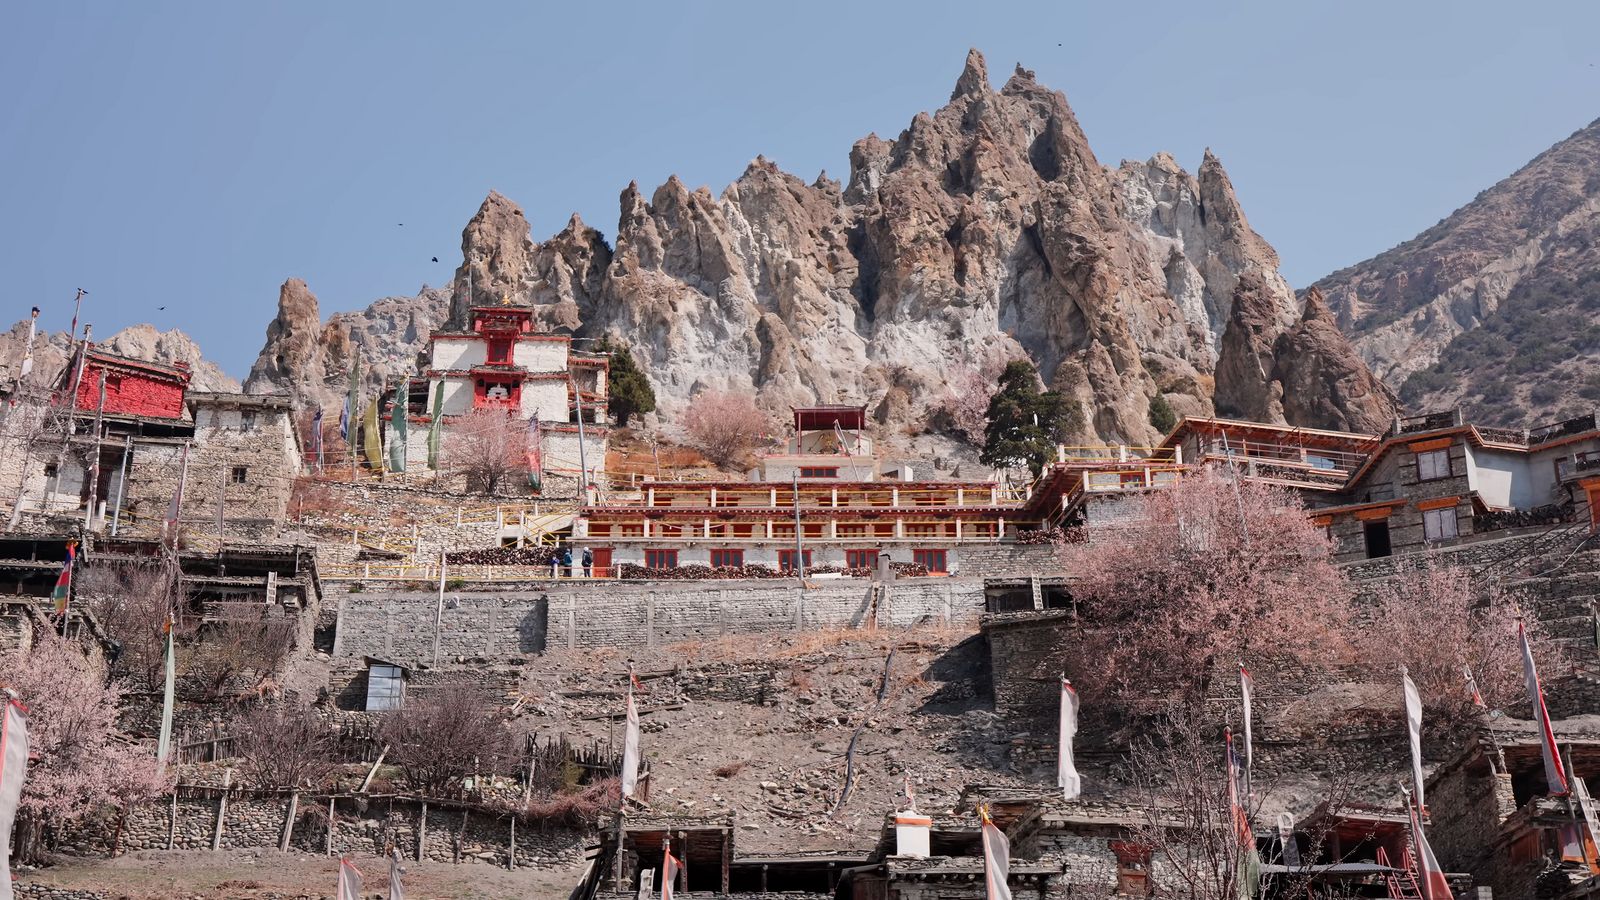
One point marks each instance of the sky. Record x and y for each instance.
(194, 155)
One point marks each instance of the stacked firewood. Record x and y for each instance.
(504, 556)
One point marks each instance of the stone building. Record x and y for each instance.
(1429, 482)
(244, 460)
(110, 461)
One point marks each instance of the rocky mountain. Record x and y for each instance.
(311, 360)
(1497, 307)
(986, 229)
(51, 350)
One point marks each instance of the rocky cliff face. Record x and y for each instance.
(987, 228)
(311, 360)
(1495, 307)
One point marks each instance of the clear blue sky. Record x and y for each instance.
(194, 155)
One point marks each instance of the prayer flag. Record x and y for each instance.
(27, 352)
(1472, 689)
(397, 891)
(630, 747)
(535, 453)
(1555, 776)
(63, 589)
(1067, 777)
(371, 438)
(13, 771)
(349, 881)
(164, 742)
(399, 426)
(434, 425)
(669, 872)
(1247, 690)
(1430, 876)
(316, 438)
(1236, 808)
(1414, 729)
(996, 858)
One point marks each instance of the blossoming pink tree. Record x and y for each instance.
(1434, 618)
(79, 766)
(1192, 578)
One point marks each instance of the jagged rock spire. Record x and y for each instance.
(974, 80)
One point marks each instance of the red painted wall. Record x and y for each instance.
(131, 393)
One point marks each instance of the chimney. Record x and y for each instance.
(911, 834)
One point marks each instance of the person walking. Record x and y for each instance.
(566, 560)
(588, 563)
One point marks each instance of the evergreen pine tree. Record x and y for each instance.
(630, 391)
(1025, 423)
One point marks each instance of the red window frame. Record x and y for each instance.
(935, 561)
(861, 559)
(786, 560)
(661, 559)
(731, 557)
(819, 471)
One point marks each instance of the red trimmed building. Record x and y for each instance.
(500, 362)
(853, 511)
(133, 388)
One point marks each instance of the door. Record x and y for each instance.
(602, 562)
(1377, 534)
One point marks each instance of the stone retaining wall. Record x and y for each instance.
(478, 622)
(254, 820)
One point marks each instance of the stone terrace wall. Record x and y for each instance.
(254, 820)
(398, 625)
(1011, 561)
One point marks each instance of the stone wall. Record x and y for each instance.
(251, 463)
(478, 621)
(362, 824)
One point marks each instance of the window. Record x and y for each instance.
(729, 558)
(932, 560)
(238, 474)
(786, 560)
(661, 559)
(861, 559)
(386, 687)
(819, 471)
(247, 420)
(1439, 524)
(1433, 464)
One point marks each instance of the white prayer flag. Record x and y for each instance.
(1067, 777)
(349, 887)
(996, 859)
(630, 748)
(1414, 729)
(1555, 775)
(397, 890)
(1247, 690)
(13, 771)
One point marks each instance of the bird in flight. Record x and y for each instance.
(436, 259)
(160, 308)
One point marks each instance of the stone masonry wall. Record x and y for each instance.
(254, 820)
(398, 625)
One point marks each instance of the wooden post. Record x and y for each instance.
(365, 782)
(727, 857)
(288, 821)
(172, 819)
(622, 836)
(511, 858)
(331, 823)
(683, 864)
(222, 809)
(422, 832)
